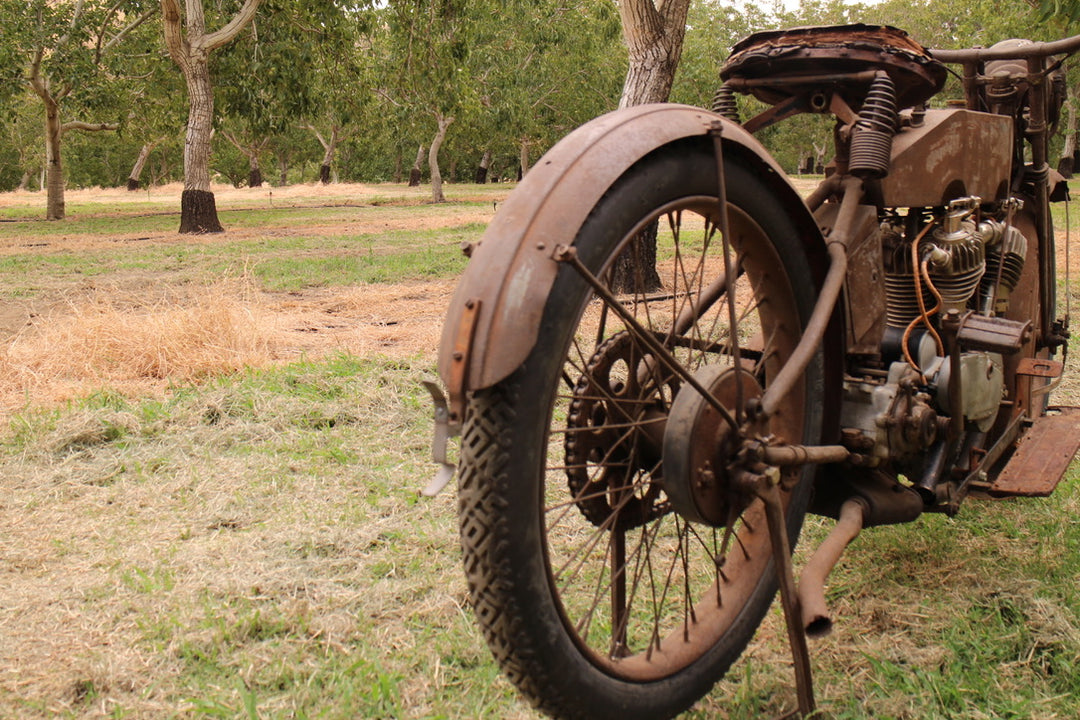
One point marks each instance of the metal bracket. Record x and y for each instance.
(459, 367)
(444, 430)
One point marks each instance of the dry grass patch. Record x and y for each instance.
(118, 340)
(115, 340)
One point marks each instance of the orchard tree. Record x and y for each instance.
(342, 79)
(654, 31)
(268, 79)
(428, 70)
(63, 49)
(190, 45)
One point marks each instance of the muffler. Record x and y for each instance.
(811, 593)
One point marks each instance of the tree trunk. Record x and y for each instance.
(523, 158)
(198, 210)
(414, 174)
(25, 181)
(654, 33)
(635, 268)
(140, 163)
(255, 177)
(329, 150)
(433, 157)
(283, 169)
(482, 169)
(54, 166)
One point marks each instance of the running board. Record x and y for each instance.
(1042, 456)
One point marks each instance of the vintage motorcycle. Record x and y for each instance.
(639, 447)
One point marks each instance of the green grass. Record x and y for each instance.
(260, 543)
(254, 545)
(278, 263)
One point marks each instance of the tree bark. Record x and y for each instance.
(654, 31)
(414, 173)
(482, 169)
(433, 157)
(198, 210)
(255, 177)
(54, 166)
(191, 53)
(523, 158)
(140, 163)
(283, 168)
(329, 150)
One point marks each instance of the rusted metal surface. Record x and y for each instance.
(864, 294)
(1040, 368)
(512, 270)
(1042, 456)
(1035, 49)
(824, 308)
(789, 599)
(816, 618)
(777, 64)
(953, 153)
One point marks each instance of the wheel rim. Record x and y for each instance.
(644, 592)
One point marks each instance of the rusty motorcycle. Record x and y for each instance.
(636, 459)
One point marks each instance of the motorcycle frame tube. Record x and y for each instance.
(513, 269)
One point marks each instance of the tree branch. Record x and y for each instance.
(318, 135)
(174, 36)
(76, 15)
(87, 127)
(235, 143)
(640, 21)
(128, 30)
(216, 39)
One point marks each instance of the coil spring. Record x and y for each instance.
(871, 139)
(723, 103)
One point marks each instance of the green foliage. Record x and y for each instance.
(1059, 10)
(512, 74)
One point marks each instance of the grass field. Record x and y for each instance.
(210, 468)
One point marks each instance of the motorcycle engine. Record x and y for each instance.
(952, 264)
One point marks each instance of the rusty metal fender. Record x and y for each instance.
(493, 318)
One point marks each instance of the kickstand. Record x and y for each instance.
(769, 491)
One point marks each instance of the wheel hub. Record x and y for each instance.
(700, 447)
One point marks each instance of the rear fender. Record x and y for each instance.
(493, 318)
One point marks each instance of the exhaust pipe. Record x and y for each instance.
(811, 592)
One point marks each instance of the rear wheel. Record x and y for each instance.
(614, 562)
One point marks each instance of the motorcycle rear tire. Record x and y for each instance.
(536, 619)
